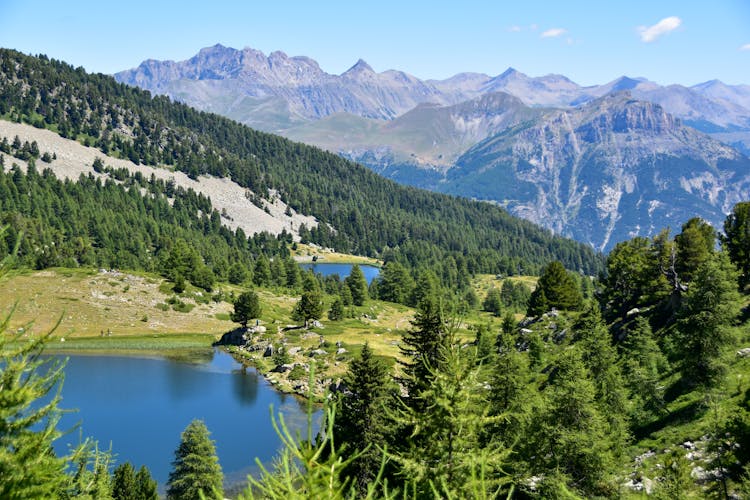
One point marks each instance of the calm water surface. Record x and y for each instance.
(343, 270)
(141, 406)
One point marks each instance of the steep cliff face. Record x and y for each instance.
(610, 170)
(238, 82)
(601, 166)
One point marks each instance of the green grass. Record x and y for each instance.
(153, 343)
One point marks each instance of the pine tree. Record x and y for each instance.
(493, 302)
(246, 307)
(146, 485)
(262, 271)
(357, 285)
(310, 306)
(336, 312)
(555, 288)
(395, 283)
(237, 274)
(600, 357)
(736, 240)
(422, 348)
(695, 245)
(510, 392)
(642, 364)
(124, 485)
(571, 436)
(196, 470)
(712, 303)
(359, 419)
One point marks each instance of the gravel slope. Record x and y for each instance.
(74, 159)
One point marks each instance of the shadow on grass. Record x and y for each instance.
(683, 415)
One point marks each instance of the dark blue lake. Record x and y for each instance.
(141, 406)
(343, 270)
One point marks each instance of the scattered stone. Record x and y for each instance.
(316, 324)
(238, 336)
(644, 456)
(688, 445)
(633, 311)
(294, 350)
(744, 352)
(318, 352)
(639, 484)
(339, 343)
(699, 473)
(526, 322)
(283, 368)
(526, 331)
(340, 350)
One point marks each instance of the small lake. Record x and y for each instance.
(343, 270)
(141, 406)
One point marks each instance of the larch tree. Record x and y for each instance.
(359, 420)
(357, 285)
(736, 239)
(196, 472)
(712, 303)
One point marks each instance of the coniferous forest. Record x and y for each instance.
(617, 364)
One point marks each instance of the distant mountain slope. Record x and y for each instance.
(357, 211)
(422, 133)
(609, 170)
(277, 92)
(429, 136)
(284, 90)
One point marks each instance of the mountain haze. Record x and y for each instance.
(472, 133)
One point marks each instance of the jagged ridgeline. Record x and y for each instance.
(359, 212)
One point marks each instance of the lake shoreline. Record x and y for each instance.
(167, 346)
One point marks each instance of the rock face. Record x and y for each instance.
(606, 171)
(282, 89)
(600, 164)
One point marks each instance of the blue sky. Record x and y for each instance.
(591, 42)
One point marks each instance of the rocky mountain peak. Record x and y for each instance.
(509, 73)
(360, 68)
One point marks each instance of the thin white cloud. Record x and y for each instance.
(745, 47)
(552, 33)
(514, 29)
(649, 34)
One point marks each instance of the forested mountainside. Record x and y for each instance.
(595, 173)
(358, 211)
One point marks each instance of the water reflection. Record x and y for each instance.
(245, 383)
(141, 406)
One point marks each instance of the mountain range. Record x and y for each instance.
(598, 163)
